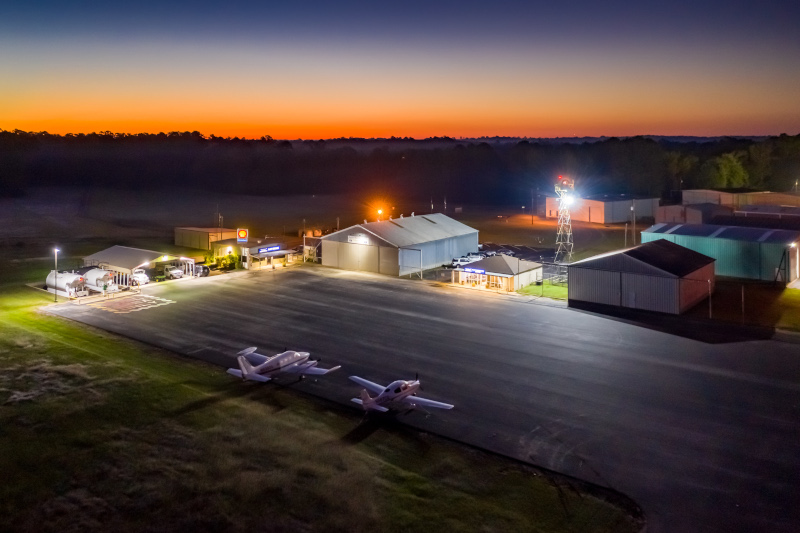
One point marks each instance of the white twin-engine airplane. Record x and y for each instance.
(288, 362)
(398, 392)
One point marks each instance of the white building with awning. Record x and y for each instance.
(122, 260)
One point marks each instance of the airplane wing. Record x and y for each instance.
(373, 406)
(370, 386)
(424, 402)
(317, 371)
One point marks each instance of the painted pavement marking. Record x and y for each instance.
(131, 304)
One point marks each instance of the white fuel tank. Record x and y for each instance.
(99, 280)
(67, 282)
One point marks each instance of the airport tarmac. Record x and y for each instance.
(700, 428)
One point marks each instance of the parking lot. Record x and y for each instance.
(701, 433)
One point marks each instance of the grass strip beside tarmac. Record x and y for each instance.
(546, 290)
(102, 433)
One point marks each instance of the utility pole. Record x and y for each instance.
(532, 207)
(55, 289)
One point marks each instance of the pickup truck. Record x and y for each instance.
(172, 272)
(139, 277)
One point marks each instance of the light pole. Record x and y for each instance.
(55, 288)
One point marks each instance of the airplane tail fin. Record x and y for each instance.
(248, 372)
(368, 403)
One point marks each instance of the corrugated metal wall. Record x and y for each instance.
(436, 253)
(624, 289)
(736, 259)
(694, 288)
(597, 286)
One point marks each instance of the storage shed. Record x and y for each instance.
(499, 273)
(606, 209)
(399, 247)
(753, 253)
(728, 197)
(692, 214)
(655, 276)
(201, 238)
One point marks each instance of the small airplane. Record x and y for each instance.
(288, 362)
(397, 392)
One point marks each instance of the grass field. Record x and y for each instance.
(102, 433)
(546, 290)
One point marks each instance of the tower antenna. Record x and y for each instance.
(565, 189)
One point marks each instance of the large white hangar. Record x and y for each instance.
(400, 246)
(655, 276)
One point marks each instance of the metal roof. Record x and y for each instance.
(125, 257)
(503, 265)
(617, 197)
(657, 257)
(727, 232)
(408, 231)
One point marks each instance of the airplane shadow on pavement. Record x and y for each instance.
(698, 329)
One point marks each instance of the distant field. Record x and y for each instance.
(92, 219)
(98, 433)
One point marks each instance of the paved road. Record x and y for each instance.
(704, 435)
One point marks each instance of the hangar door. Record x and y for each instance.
(354, 256)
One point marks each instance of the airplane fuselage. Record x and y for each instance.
(281, 362)
(397, 391)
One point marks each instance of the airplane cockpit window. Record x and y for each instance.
(397, 390)
(387, 389)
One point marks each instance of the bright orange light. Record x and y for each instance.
(380, 211)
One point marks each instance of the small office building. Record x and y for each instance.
(253, 253)
(499, 273)
(655, 276)
(606, 208)
(122, 260)
(400, 246)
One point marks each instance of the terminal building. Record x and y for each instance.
(399, 246)
(499, 273)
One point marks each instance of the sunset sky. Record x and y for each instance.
(414, 68)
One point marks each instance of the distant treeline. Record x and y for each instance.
(499, 171)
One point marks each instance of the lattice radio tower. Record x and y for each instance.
(565, 190)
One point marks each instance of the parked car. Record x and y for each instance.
(506, 252)
(201, 271)
(475, 256)
(139, 277)
(172, 272)
(461, 261)
(490, 253)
